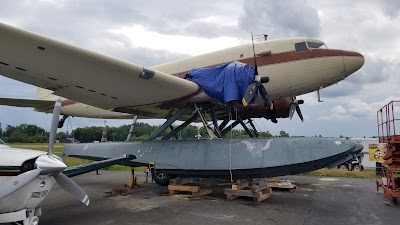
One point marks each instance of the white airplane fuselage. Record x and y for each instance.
(295, 66)
(29, 196)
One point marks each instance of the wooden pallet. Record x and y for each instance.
(180, 185)
(194, 190)
(280, 186)
(259, 192)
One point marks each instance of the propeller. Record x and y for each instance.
(257, 85)
(46, 165)
(294, 106)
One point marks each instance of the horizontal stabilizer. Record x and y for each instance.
(30, 103)
(86, 168)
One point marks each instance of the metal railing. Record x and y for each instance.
(387, 118)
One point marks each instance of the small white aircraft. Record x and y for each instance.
(27, 176)
(104, 87)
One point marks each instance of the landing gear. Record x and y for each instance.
(161, 179)
(61, 122)
(343, 167)
(22, 217)
(357, 167)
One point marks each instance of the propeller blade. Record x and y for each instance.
(291, 111)
(250, 93)
(72, 188)
(299, 113)
(265, 96)
(18, 182)
(54, 125)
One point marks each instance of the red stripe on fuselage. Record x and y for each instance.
(287, 57)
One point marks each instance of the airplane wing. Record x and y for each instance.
(86, 168)
(84, 76)
(30, 103)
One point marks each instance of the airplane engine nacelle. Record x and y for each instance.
(281, 110)
(282, 107)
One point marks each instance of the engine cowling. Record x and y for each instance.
(281, 110)
(282, 107)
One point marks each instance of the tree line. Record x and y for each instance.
(29, 133)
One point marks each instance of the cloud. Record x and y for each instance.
(280, 18)
(339, 109)
(375, 74)
(390, 7)
(337, 112)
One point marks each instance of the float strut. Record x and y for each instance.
(167, 123)
(245, 127)
(223, 124)
(215, 123)
(131, 129)
(180, 127)
(229, 128)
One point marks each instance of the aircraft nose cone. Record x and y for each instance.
(352, 61)
(49, 164)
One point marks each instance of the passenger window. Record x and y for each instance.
(300, 47)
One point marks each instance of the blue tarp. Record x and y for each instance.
(226, 82)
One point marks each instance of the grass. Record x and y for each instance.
(366, 173)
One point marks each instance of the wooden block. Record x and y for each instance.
(257, 188)
(183, 188)
(231, 197)
(246, 193)
(240, 184)
(180, 181)
(264, 195)
(260, 181)
(201, 193)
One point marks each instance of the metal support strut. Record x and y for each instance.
(229, 128)
(215, 123)
(209, 131)
(131, 129)
(245, 127)
(180, 127)
(254, 128)
(167, 123)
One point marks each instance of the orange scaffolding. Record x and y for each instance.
(388, 117)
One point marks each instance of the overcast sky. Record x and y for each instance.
(153, 32)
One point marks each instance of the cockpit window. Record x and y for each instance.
(316, 45)
(301, 47)
(2, 142)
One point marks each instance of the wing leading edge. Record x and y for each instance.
(82, 75)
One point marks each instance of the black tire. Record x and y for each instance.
(161, 179)
(343, 167)
(357, 167)
(394, 199)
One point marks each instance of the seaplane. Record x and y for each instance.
(224, 88)
(27, 176)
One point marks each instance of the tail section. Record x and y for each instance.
(44, 94)
(44, 101)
